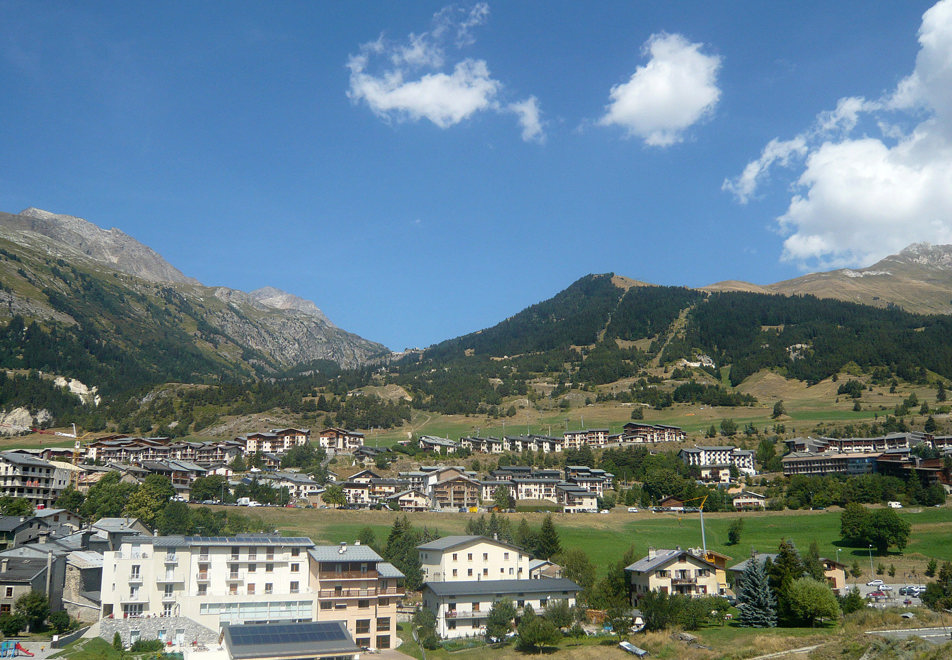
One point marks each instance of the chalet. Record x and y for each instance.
(431, 443)
(341, 440)
(575, 499)
(671, 504)
(672, 572)
(746, 500)
(411, 500)
(455, 492)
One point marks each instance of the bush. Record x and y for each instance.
(12, 624)
(59, 621)
(117, 641)
(147, 645)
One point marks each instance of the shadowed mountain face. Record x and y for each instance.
(918, 280)
(63, 269)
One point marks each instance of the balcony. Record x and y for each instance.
(466, 614)
(203, 577)
(135, 578)
(171, 560)
(168, 598)
(347, 575)
(167, 578)
(682, 581)
(347, 593)
(134, 598)
(235, 576)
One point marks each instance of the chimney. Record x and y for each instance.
(3, 565)
(343, 548)
(357, 542)
(495, 536)
(652, 553)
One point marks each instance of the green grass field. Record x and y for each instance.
(606, 537)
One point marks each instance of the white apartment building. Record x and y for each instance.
(341, 440)
(24, 477)
(473, 558)
(462, 608)
(715, 462)
(250, 579)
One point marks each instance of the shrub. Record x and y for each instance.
(147, 645)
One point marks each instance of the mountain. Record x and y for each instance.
(86, 282)
(918, 279)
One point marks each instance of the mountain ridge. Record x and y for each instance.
(918, 279)
(281, 329)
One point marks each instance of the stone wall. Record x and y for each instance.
(149, 628)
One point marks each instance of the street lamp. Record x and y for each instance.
(871, 560)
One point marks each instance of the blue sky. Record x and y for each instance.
(422, 170)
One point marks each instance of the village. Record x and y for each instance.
(125, 580)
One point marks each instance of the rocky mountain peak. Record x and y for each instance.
(926, 254)
(69, 237)
(278, 299)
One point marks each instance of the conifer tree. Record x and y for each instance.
(549, 543)
(759, 605)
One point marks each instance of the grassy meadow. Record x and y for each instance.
(606, 537)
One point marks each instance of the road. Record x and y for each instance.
(934, 635)
(892, 599)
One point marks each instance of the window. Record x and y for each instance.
(326, 605)
(270, 554)
(269, 568)
(136, 572)
(252, 553)
(9, 592)
(383, 624)
(234, 553)
(485, 556)
(521, 603)
(510, 570)
(295, 552)
(168, 591)
(251, 588)
(383, 602)
(469, 572)
(295, 587)
(454, 556)
(363, 604)
(469, 556)
(451, 624)
(363, 626)
(233, 589)
(5, 609)
(268, 587)
(363, 642)
(485, 572)
(167, 609)
(505, 556)
(252, 568)
(295, 568)
(202, 589)
(383, 641)
(454, 572)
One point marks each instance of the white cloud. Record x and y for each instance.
(528, 112)
(415, 82)
(672, 92)
(859, 198)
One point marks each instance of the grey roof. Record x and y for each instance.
(241, 539)
(760, 557)
(18, 458)
(116, 524)
(351, 553)
(22, 569)
(271, 640)
(447, 542)
(387, 570)
(499, 588)
(85, 559)
(10, 523)
(662, 557)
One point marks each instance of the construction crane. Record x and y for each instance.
(700, 510)
(77, 449)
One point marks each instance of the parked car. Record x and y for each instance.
(876, 594)
(632, 509)
(875, 583)
(886, 587)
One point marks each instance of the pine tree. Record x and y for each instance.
(549, 543)
(759, 605)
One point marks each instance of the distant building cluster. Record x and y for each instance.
(632, 433)
(889, 454)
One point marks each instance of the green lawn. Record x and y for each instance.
(605, 538)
